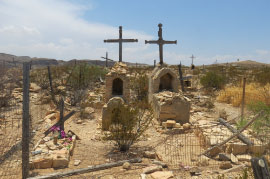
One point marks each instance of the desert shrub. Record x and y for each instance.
(262, 77)
(254, 92)
(263, 121)
(40, 77)
(128, 124)
(140, 85)
(83, 75)
(212, 80)
(4, 100)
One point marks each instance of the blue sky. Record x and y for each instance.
(66, 29)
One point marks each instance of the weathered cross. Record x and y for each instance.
(120, 41)
(192, 57)
(107, 59)
(160, 42)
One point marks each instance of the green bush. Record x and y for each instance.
(212, 80)
(128, 124)
(82, 75)
(262, 76)
(140, 85)
(261, 125)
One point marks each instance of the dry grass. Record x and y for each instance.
(254, 92)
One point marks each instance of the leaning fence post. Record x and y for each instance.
(25, 121)
(61, 106)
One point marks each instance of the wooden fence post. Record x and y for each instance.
(51, 86)
(61, 107)
(181, 77)
(260, 168)
(243, 98)
(25, 121)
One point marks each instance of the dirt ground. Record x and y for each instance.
(179, 150)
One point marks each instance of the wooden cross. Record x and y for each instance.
(120, 41)
(107, 59)
(62, 118)
(160, 42)
(192, 57)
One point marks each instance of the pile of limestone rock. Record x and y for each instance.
(169, 105)
(53, 153)
(119, 68)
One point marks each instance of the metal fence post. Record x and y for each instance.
(25, 121)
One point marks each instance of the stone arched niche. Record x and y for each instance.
(117, 87)
(166, 83)
(164, 79)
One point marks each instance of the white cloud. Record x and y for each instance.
(263, 52)
(56, 29)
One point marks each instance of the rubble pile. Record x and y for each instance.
(48, 154)
(168, 105)
(119, 68)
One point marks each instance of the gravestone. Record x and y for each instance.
(163, 89)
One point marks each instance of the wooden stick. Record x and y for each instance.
(59, 122)
(234, 135)
(181, 77)
(233, 130)
(88, 169)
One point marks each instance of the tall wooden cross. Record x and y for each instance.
(160, 42)
(192, 57)
(120, 41)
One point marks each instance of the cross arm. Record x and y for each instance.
(111, 40)
(170, 42)
(151, 42)
(107, 59)
(129, 40)
(59, 122)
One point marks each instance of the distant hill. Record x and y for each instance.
(12, 61)
(250, 63)
(245, 64)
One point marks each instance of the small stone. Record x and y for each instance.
(170, 123)
(238, 148)
(60, 162)
(42, 163)
(162, 175)
(164, 165)
(225, 165)
(79, 121)
(77, 162)
(164, 124)
(186, 126)
(246, 158)
(151, 169)
(51, 145)
(214, 151)
(177, 125)
(108, 177)
(149, 154)
(203, 161)
(224, 157)
(46, 139)
(233, 158)
(126, 166)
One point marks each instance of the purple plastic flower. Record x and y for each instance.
(63, 134)
(55, 128)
